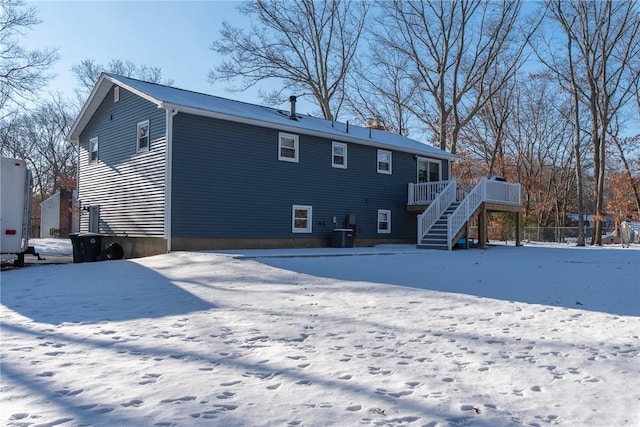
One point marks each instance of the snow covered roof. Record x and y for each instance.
(181, 100)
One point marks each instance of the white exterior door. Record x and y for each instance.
(94, 219)
(429, 170)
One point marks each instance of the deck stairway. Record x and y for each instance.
(449, 209)
(437, 236)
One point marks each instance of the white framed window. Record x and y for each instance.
(384, 221)
(339, 155)
(116, 94)
(301, 219)
(288, 147)
(384, 161)
(93, 150)
(143, 136)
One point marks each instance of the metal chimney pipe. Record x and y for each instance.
(292, 101)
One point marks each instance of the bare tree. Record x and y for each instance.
(599, 66)
(307, 46)
(22, 72)
(38, 137)
(528, 128)
(88, 72)
(486, 134)
(461, 54)
(625, 149)
(380, 88)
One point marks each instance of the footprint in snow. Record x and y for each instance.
(179, 399)
(135, 403)
(226, 395)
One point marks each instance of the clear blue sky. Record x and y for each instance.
(173, 35)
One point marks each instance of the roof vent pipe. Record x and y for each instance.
(292, 100)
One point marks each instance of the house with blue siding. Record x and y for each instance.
(163, 169)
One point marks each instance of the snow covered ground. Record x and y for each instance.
(537, 335)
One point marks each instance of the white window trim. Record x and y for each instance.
(387, 172)
(138, 127)
(335, 144)
(282, 135)
(388, 230)
(94, 142)
(309, 227)
(116, 94)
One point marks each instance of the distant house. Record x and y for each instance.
(162, 169)
(56, 215)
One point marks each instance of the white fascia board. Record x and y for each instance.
(100, 90)
(135, 91)
(90, 106)
(298, 130)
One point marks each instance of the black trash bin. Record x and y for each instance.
(77, 248)
(342, 238)
(86, 246)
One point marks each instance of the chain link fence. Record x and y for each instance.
(559, 234)
(541, 234)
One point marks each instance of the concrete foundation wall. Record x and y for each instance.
(137, 247)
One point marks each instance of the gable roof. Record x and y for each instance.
(201, 104)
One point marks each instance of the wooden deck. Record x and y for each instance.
(430, 202)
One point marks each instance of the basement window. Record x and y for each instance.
(301, 219)
(288, 147)
(143, 136)
(384, 221)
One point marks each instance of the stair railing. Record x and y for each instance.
(463, 212)
(435, 210)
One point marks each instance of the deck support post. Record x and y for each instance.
(518, 229)
(466, 235)
(482, 226)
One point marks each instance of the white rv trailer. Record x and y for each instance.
(15, 209)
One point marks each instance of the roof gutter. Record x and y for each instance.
(296, 129)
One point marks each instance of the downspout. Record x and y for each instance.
(170, 113)
(77, 195)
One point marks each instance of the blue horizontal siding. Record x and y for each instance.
(227, 181)
(128, 186)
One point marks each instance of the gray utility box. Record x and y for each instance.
(342, 238)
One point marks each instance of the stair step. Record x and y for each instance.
(438, 235)
(434, 242)
(429, 246)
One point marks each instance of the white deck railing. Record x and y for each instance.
(435, 210)
(485, 191)
(440, 195)
(424, 193)
(506, 193)
(463, 212)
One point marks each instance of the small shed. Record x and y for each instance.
(55, 215)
